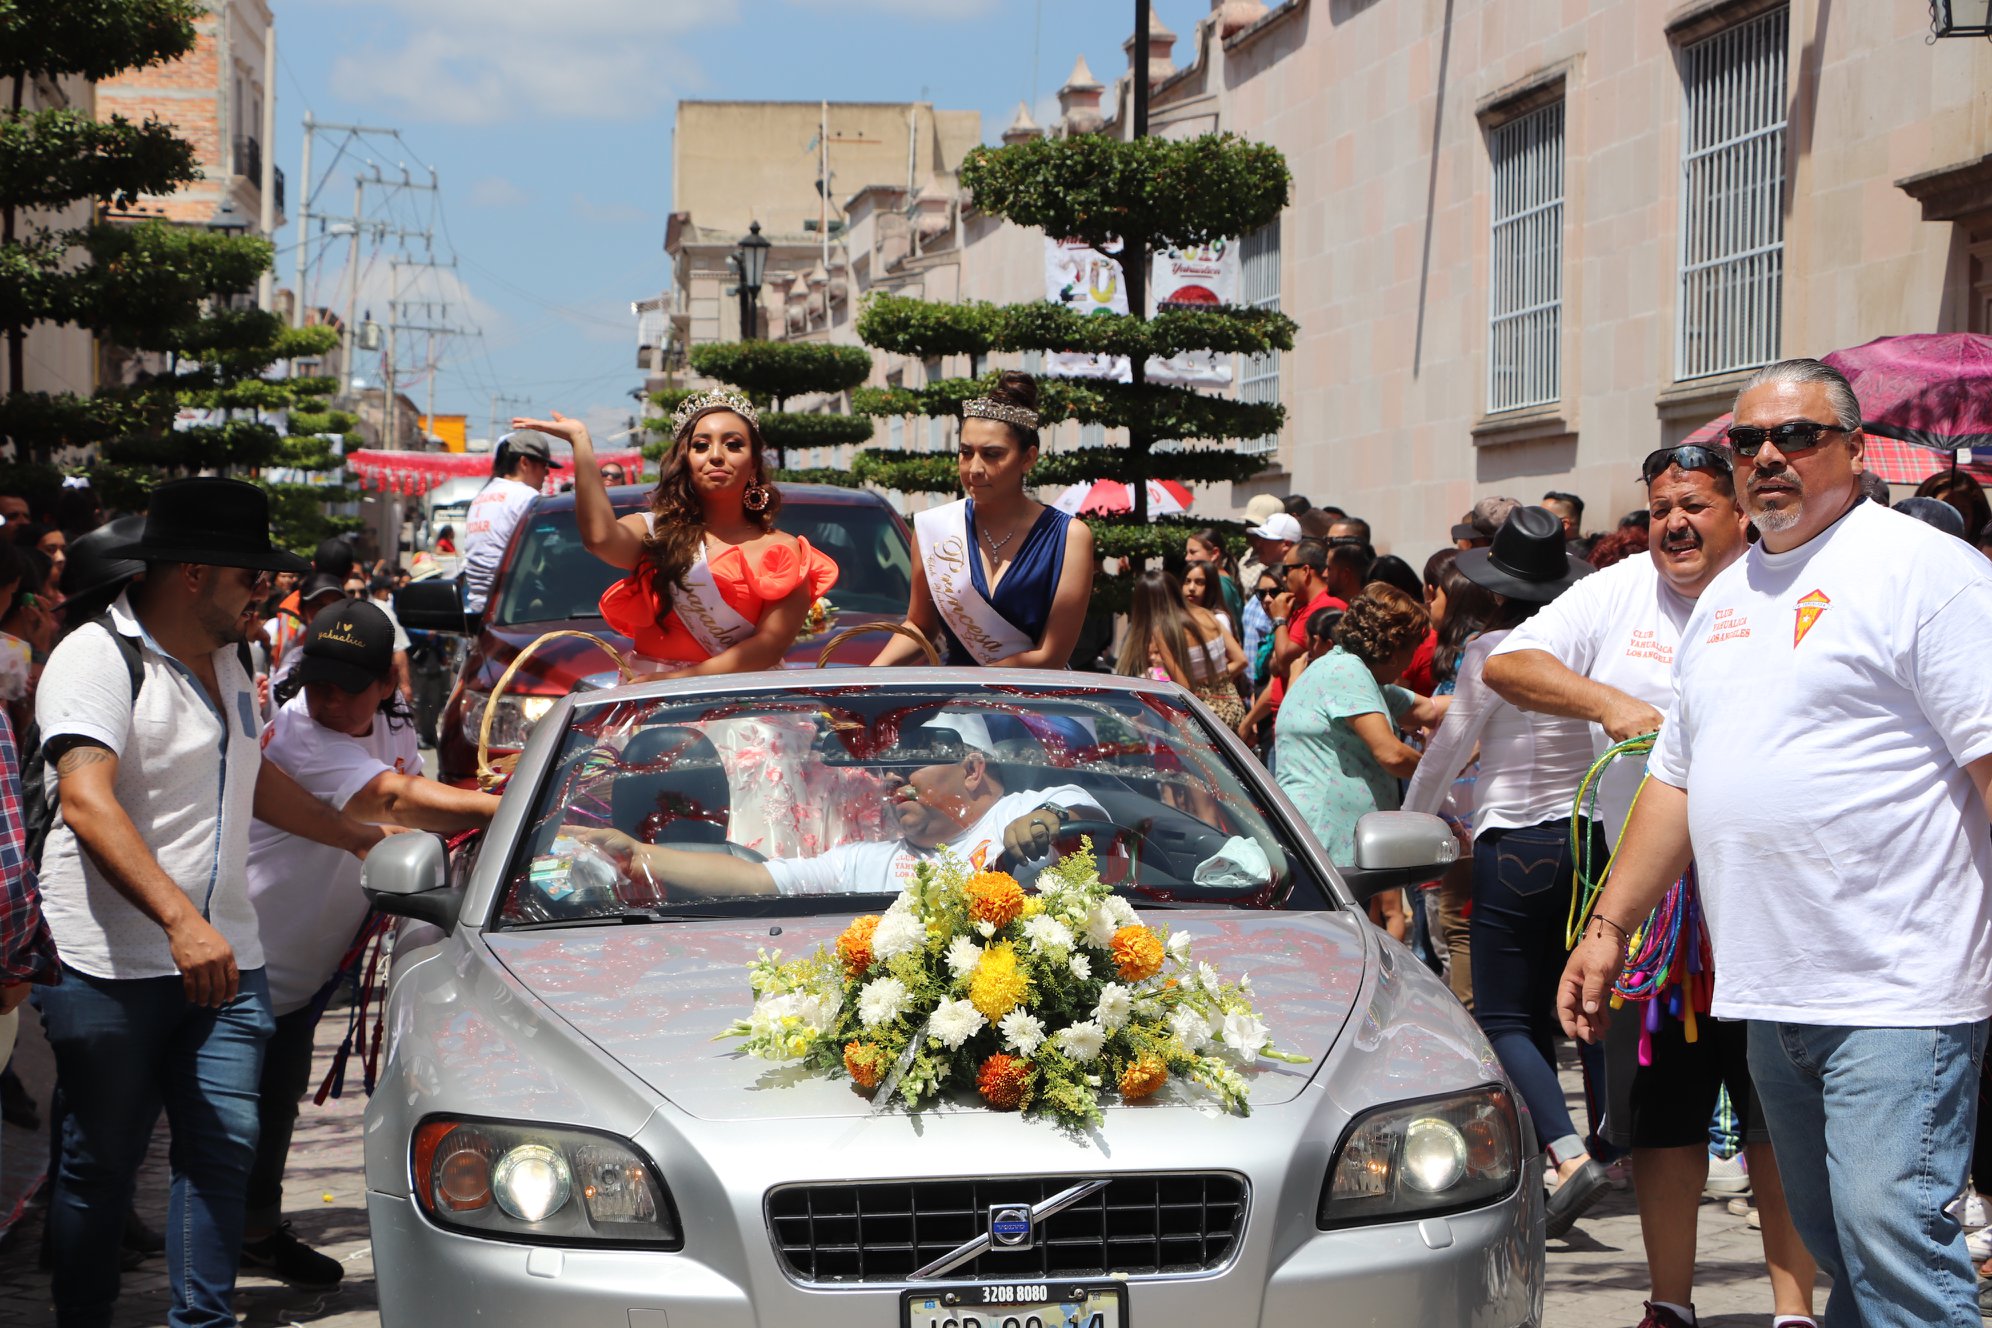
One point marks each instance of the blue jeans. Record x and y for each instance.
(123, 1049)
(1521, 903)
(1873, 1130)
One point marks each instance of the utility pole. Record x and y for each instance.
(1134, 264)
(353, 282)
(266, 285)
(397, 323)
(304, 222)
(390, 412)
(497, 399)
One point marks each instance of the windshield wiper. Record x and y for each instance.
(633, 916)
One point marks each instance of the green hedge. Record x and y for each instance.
(937, 472)
(782, 369)
(924, 330)
(1160, 412)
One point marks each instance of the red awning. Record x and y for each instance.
(419, 472)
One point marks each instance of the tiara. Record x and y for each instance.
(985, 409)
(694, 406)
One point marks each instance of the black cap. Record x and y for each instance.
(349, 645)
(318, 583)
(529, 443)
(334, 556)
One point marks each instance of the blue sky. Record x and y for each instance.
(548, 123)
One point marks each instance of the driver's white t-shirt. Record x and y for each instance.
(887, 866)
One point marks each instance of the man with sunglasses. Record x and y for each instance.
(1829, 755)
(1603, 652)
(1305, 574)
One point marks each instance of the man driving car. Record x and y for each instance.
(959, 806)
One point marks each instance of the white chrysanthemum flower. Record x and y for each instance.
(1179, 946)
(1207, 978)
(1081, 966)
(1245, 986)
(899, 932)
(1245, 1035)
(1047, 933)
(963, 956)
(954, 1022)
(881, 1001)
(1100, 928)
(1115, 1004)
(1123, 912)
(1191, 1029)
(1023, 1032)
(1082, 1042)
(987, 929)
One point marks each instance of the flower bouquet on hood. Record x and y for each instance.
(1042, 1002)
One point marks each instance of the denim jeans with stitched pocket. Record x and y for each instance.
(1873, 1130)
(124, 1048)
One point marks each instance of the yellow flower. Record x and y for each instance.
(1002, 1081)
(854, 947)
(1137, 953)
(1143, 1075)
(865, 1063)
(998, 986)
(1033, 906)
(994, 898)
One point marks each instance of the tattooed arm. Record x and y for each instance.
(87, 774)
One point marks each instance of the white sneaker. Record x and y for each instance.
(1741, 1206)
(1979, 1243)
(1727, 1175)
(1974, 1214)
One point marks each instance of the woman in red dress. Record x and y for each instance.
(713, 587)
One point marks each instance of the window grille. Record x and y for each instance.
(1259, 288)
(1732, 198)
(1525, 287)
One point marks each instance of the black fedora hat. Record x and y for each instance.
(222, 523)
(1527, 560)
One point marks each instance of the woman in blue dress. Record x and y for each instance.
(1003, 578)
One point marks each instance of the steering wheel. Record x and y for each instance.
(1104, 833)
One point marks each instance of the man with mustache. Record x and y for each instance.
(1604, 652)
(1827, 764)
(958, 806)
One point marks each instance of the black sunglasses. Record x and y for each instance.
(1689, 456)
(1797, 436)
(1291, 567)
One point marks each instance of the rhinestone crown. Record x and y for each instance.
(984, 408)
(726, 399)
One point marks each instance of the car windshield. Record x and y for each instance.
(552, 577)
(827, 799)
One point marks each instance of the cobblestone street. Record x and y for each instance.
(1596, 1277)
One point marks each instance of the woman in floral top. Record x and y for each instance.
(1336, 750)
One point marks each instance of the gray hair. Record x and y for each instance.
(1839, 392)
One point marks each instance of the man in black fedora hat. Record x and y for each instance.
(149, 719)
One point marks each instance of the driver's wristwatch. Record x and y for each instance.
(1063, 814)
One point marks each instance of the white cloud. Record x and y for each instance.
(607, 212)
(495, 191)
(937, 11)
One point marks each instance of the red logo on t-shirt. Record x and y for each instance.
(1809, 610)
(1728, 625)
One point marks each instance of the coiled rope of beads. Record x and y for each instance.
(1669, 977)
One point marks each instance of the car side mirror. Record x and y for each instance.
(435, 606)
(407, 875)
(1398, 849)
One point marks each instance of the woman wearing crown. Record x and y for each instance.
(713, 587)
(1003, 577)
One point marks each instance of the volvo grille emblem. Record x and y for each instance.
(1010, 1226)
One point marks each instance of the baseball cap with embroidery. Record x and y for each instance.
(1278, 527)
(350, 645)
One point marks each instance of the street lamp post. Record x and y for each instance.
(1961, 18)
(751, 260)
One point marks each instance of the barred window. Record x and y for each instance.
(1259, 288)
(1732, 198)
(1525, 288)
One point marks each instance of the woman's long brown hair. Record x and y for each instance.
(677, 517)
(1157, 608)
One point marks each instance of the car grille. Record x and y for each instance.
(882, 1232)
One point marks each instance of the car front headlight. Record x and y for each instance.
(539, 1184)
(513, 722)
(1424, 1159)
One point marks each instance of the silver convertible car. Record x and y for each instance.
(564, 1135)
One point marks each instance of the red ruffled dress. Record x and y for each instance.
(747, 582)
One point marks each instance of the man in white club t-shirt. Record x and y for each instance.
(960, 807)
(1604, 652)
(1827, 765)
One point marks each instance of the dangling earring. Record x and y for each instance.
(756, 498)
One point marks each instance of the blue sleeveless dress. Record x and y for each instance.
(1023, 596)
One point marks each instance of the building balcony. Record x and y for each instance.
(249, 159)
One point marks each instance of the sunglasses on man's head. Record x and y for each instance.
(1689, 456)
(1797, 436)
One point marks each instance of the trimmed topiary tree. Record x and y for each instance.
(771, 372)
(1148, 194)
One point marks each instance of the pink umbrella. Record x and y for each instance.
(1111, 497)
(1891, 458)
(1933, 390)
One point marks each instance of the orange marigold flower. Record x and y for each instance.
(994, 898)
(1002, 1081)
(865, 1063)
(1137, 953)
(1143, 1075)
(854, 947)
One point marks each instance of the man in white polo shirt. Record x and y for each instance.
(1604, 652)
(150, 725)
(1827, 766)
(518, 474)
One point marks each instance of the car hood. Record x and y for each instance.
(656, 997)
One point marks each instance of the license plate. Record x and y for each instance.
(1016, 1305)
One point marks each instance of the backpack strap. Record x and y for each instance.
(41, 799)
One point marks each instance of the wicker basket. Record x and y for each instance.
(898, 629)
(490, 776)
